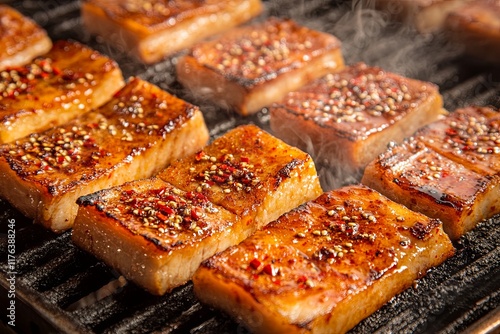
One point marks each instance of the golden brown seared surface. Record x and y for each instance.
(469, 136)
(426, 181)
(153, 233)
(316, 268)
(69, 80)
(348, 117)
(59, 159)
(20, 35)
(258, 53)
(146, 17)
(358, 101)
(166, 216)
(244, 169)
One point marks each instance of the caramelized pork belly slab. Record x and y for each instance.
(154, 30)
(153, 233)
(250, 173)
(324, 266)
(476, 27)
(470, 136)
(248, 68)
(425, 181)
(66, 82)
(136, 134)
(345, 119)
(425, 15)
(21, 39)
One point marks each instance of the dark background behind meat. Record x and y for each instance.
(62, 289)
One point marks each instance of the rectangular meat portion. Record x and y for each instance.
(324, 266)
(426, 181)
(21, 39)
(345, 119)
(153, 30)
(250, 67)
(250, 173)
(153, 233)
(156, 232)
(476, 27)
(470, 136)
(135, 135)
(425, 15)
(66, 82)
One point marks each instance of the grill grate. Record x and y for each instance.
(60, 288)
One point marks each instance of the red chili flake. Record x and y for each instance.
(195, 214)
(166, 209)
(161, 216)
(451, 132)
(270, 270)
(56, 70)
(302, 279)
(199, 156)
(219, 179)
(255, 263)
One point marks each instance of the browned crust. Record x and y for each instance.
(337, 121)
(269, 173)
(151, 32)
(293, 287)
(240, 62)
(469, 136)
(156, 260)
(21, 39)
(66, 82)
(427, 182)
(119, 142)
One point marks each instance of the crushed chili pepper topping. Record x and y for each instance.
(474, 134)
(226, 171)
(354, 94)
(263, 51)
(21, 80)
(166, 211)
(59, 149)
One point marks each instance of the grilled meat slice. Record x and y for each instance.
(346, 119)
(470, 136)
(476, 26)
(69, 80)
(425, 15)
(21, 39)
(153, 233)
(425, 181)
(324, 266)
(250, 173)
(152, 31)
(258, 64)
(136, 134)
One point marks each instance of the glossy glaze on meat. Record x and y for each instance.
(250, 173)
(68, 81)
(154, 30)
(425, 181)
(136, 134)
(347, 118)
(21, 39)
(324, 266)
(258, 64)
